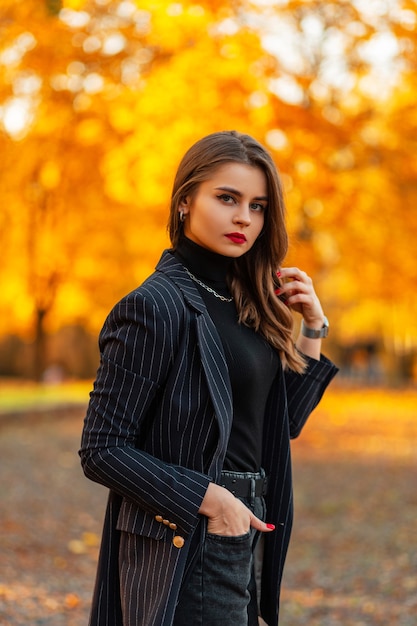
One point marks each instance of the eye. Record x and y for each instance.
(256, 206)
(227, 198)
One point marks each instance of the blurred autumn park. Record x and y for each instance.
(99, 100)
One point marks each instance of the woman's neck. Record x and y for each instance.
(202, 262)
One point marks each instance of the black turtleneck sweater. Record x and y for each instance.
(252, 362)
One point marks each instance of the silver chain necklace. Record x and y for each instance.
(209, 289)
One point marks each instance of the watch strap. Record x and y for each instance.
(314, 333)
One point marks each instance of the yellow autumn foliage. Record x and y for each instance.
(99, 100)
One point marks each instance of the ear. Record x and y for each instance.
(184, 205)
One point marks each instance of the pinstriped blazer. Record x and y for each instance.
(156, 433)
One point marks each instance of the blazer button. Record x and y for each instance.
(166, 522)
(178, 541)
(173, 526)
(159, 518)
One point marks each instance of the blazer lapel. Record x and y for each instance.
(211, 350)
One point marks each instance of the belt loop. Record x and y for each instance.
(252, 488)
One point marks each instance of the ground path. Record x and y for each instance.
(353, 557)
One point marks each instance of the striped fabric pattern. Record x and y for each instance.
(155, 434)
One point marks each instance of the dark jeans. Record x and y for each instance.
(222, 588)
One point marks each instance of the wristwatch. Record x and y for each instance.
(313, 333)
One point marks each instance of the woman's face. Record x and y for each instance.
(226, 213)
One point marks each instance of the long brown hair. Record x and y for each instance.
(253, 280)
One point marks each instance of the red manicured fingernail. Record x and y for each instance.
(277, 292)
(278, 274)
(270, 526)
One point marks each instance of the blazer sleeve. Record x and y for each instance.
(137, 346)
(304, 391)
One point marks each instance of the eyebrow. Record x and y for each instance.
(239, 193)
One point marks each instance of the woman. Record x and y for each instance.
(200, 388)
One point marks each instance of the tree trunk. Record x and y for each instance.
(39, 346)
(53, 6)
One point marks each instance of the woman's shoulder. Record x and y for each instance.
(161, 291)
(164, 284)
(171, 286)
(168, 295)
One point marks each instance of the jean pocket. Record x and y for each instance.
(230, 539)
(231, 556)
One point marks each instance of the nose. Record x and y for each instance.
(242, 216)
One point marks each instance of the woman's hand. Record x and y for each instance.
(298, 291)
(227, 515)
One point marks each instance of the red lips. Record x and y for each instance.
(236, 237)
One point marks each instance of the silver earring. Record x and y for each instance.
(182, 216)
